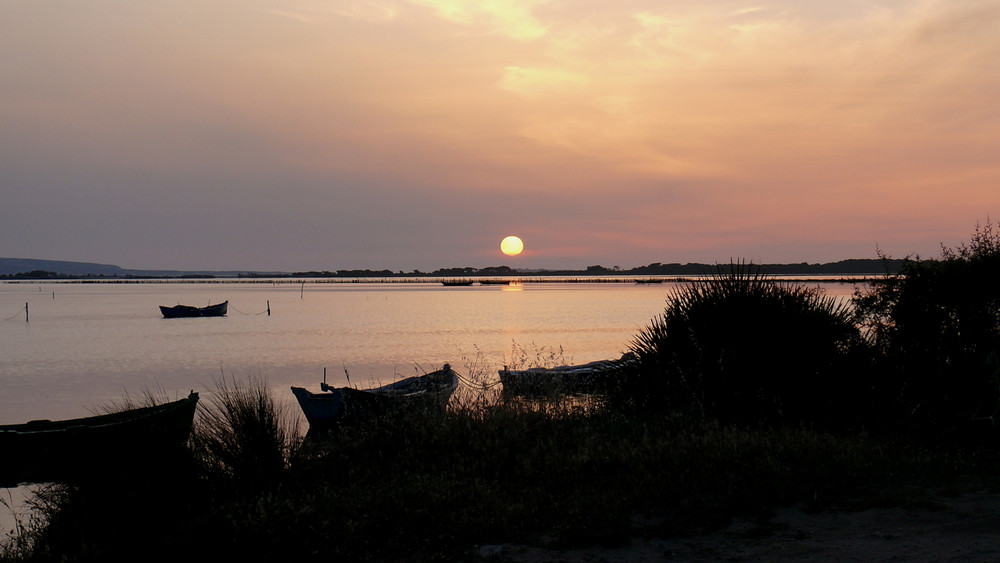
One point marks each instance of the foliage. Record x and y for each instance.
(936, 326)
(740, 346)
(433, 486)
(244, 434)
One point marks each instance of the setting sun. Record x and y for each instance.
(511, 246)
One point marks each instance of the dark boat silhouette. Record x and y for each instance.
(62, 450)
(346, 404)
(178, 311)
(593, 377)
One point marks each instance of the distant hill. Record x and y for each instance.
(854, 267)
(11, 266)
(14, 266)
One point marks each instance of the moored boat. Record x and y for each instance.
(593, 377)
(45, 450)
(179, 311)
(345, 404)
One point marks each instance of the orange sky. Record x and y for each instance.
(416, 134)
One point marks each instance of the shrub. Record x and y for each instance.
(742, 347)
(936, 325)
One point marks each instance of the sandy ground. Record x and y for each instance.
(962, 528)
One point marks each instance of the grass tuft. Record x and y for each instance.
(243, 434)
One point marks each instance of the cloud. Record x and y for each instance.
(510, 18)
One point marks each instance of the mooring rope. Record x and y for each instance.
(469, 383)
(17, 314)
(242, 313)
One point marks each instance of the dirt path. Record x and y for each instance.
(963, 528)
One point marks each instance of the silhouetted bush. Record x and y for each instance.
(742, 347)
(243, 435)
(936, 326)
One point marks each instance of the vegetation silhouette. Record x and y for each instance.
(935, 327)
(749, 394)
(740, 347)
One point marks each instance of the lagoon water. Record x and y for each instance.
(88, 344)
(85, 345)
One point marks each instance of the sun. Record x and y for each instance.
(511, 246)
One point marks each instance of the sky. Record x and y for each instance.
(268, 135)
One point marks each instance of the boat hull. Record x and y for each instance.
(45, 450)
(187, 311)
(338, 405)
(592, 378)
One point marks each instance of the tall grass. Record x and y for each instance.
(433, 485)
(512, 473)
(243, 434)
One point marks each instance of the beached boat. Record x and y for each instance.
(178, 311)
(593, 377)
(345, 404)
(45, 450)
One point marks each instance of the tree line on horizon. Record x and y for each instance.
(858, 266)
(41, 269)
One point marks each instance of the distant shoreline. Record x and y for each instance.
(480, 280)
(31, 269)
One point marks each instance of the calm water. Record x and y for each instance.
(85, 345)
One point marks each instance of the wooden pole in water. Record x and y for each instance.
(269, 307)
(302, 288)
(25, 311)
